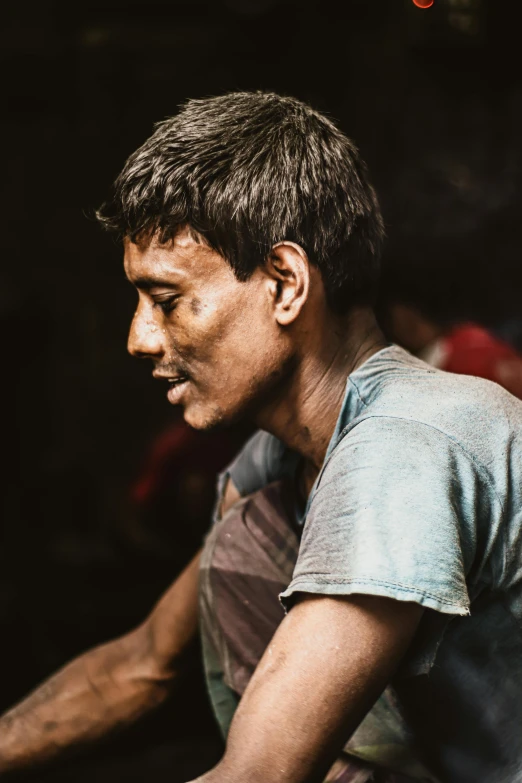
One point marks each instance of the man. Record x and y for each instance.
(381, 497)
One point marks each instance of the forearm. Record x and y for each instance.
(103, 690)
(108, 687)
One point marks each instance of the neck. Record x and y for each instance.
(305, 415)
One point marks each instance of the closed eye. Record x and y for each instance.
(167, 304)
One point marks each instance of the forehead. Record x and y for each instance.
(183, 260)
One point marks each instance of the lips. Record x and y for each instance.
(177, 386)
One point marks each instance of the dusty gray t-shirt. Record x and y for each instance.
(420, 499)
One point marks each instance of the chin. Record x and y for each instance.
(209, 414)
(205, 419)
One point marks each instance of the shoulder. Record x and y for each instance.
(391, 435)
(387, 461)
(473, 412)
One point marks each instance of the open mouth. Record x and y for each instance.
(173, 382)
(177, 387)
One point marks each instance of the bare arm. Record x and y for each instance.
(106, 688)
(326, 665)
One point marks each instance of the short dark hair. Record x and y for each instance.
(246, 170)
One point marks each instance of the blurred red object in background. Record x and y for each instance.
(172, 496)
(472, 350)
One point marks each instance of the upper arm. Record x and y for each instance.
(394, 515)
(328, 662)
(172, 625)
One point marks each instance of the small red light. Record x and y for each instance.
(423, 3)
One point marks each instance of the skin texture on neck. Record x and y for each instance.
(304, 418)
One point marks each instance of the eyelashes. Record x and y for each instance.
(167, 305)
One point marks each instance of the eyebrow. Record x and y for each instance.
(146, 283)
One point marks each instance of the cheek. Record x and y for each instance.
(209, 333)
(189, 338)
(253, 363)
(226, 346)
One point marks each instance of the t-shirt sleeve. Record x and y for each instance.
(386, 518)
(253, 467)
(262, 459)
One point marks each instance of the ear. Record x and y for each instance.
(288, 272)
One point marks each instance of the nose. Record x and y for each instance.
(145, 337)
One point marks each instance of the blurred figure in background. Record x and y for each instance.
(467, 348)
(443, 216)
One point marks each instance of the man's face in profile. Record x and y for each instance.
(213, 339)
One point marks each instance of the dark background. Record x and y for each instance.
(433, 98)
